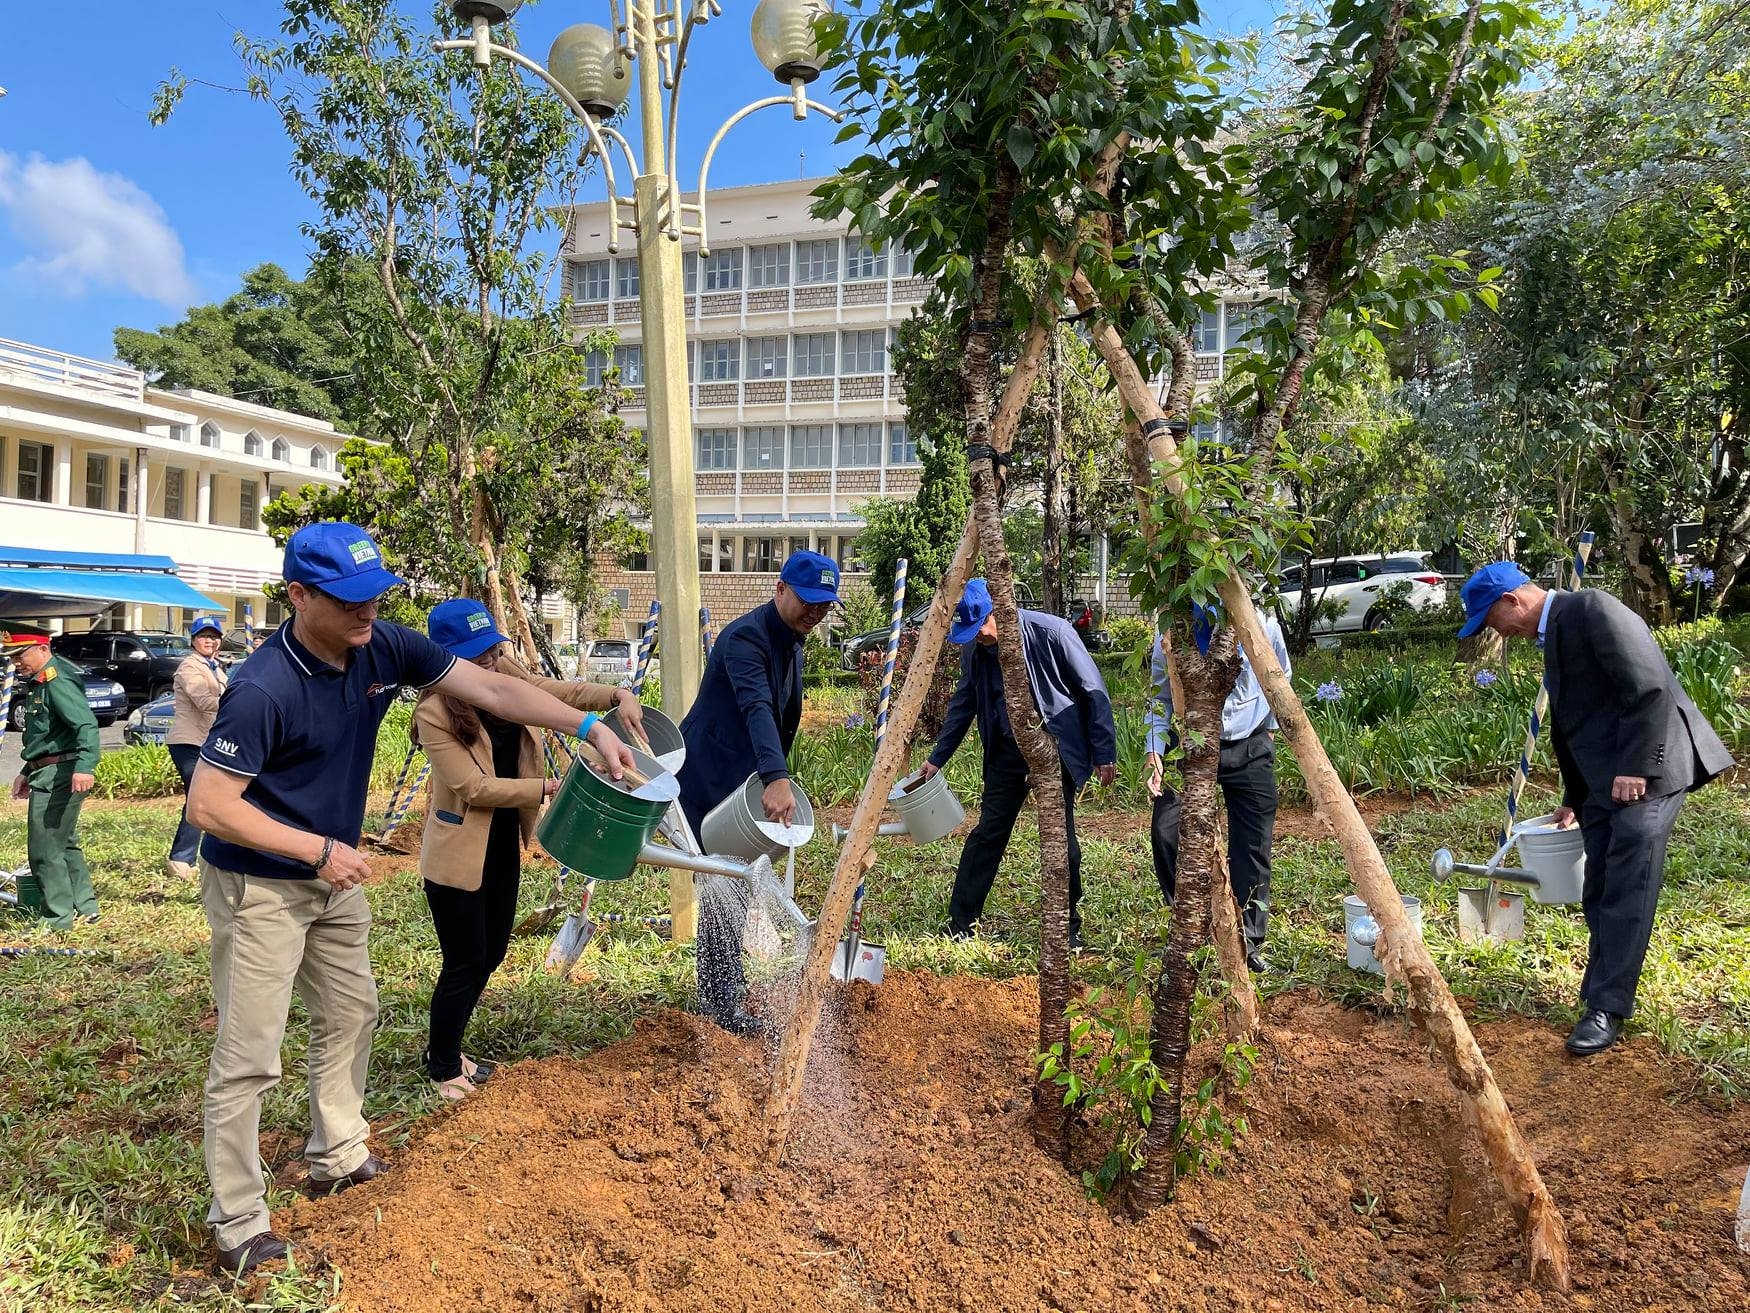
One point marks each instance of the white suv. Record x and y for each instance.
(610, 661)
(1359, 585)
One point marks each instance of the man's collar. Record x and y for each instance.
(777, 628)
(1543, 618)
(302, 657)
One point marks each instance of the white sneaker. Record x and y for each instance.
(179, 870)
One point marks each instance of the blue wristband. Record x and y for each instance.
(587, 724)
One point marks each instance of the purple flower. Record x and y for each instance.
(1484, 678)
(1329, 692)
(854, 721)
(1696, 575)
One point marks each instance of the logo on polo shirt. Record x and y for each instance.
(225, 746)
(362, 551)
(375, 689)
(480, 621)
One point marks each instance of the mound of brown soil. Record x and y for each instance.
(630, 1180)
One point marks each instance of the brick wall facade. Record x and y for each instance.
(862, 387)
(727, 596)
(816, 298)
(764, 392)
(768, 298)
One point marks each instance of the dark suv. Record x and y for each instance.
(143, 662)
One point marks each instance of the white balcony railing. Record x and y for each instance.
(40, 365)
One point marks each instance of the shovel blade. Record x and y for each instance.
(568, 944)
(1741, 1230)
(538, 920)
(870, 964)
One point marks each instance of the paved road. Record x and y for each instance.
(111, 738)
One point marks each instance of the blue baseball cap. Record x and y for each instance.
(974, 609)
(1486, 587)
(812, 577)
(340, 559)
(463, 627)
(204, 623)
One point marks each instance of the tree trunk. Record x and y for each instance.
(1405, 957)
(1051, 568)
(1206, 680)
(1646, 582)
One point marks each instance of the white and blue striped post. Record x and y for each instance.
(854, 937)
(646, 641)
(248, 627)
(399, 814)
(1540, 709)
(705, 638)
(6, 682)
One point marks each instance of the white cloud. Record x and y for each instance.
(86, 228)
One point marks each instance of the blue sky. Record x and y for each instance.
(106, 220)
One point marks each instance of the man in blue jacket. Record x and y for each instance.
(1071, 698)
(745, 719)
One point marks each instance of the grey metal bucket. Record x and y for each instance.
(666, 743)
(737, 826)
(1361, 931)
(1555, 856)
(929, 809)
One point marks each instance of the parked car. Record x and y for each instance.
(143, 661)
(150, 723)
(853, 648)
(108, 700)
(610, 660)
(1356, 592)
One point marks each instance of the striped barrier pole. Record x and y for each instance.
(6, 682)
(396, 817)
(646, 640)
(622, 918)
(1539, 709)
(401, 781)
(854, 936)
(248, 627)
(705, 638)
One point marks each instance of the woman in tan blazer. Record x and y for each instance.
(200, 679)
(487, 785)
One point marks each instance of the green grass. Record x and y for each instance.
(101, 1187)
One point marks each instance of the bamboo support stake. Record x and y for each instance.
(1405, 957)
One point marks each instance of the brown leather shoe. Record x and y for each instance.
(371, 1168)
(263, 1247)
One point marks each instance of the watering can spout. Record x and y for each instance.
(842, 832)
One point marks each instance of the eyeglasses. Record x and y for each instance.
(351, 608)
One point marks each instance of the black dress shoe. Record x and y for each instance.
(1075, 942)
(741, 1022)
(1596, 1031)
(1256, 961)
(263, 1247)
(371, 1168)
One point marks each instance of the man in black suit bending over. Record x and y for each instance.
(1630, 744)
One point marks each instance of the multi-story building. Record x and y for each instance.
(94, 461)
(797, 417)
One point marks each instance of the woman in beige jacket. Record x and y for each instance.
(200, 679)
(487, 785)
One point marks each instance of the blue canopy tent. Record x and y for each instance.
(45, 585)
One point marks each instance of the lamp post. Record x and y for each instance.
(588, 68)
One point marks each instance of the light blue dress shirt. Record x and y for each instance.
(1543, 616)
(1243, 714)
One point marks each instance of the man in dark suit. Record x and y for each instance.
(745, 719)
(1077, 711)
(1630, 744)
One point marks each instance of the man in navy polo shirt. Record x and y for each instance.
(280, 794)
(745, 719)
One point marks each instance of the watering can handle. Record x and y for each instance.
(594, 756)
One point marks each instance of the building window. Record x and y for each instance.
(282, 450)
(589, 280)
(173, 502)
(810, 446)
(762, 448)
(812, 355)
(723, 270)
(252, 443)
(817, 262)
(902, 448)
(36, 463)
(1206, 337)
(716, 449)
(210, 436)
(690, 272)
(248, 505)
(767, 357)
(121, 483)
(273, 614)
(719, 360)
(595, 367)
(903, 263)
(761, 555)
(179, 433)
(625, 279)
(864, 352)
(318, 459)
(96, 481)
(859, 444)
(1242, 319)
(629, 360)
(863, 259)
(769, 266)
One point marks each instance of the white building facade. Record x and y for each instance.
(92, 459)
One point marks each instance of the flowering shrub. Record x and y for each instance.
(1330, 691)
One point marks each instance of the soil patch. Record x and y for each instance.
(631, 1180)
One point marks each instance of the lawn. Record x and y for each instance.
(101, 1188)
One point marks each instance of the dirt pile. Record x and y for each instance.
(630, 1180)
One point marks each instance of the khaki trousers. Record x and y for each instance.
(269, 937)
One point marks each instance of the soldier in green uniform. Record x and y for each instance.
(60, 763)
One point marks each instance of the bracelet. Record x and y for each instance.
(587, 724)
(327, 852)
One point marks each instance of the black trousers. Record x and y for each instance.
(1247, 777)
(1005, 790)
(1625, 869)
(473, 930)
